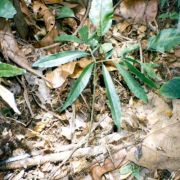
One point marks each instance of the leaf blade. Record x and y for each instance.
(69, 38)
(165, 40)
(7, 70)
(64, 12)
(113, 98)
(7, 9)
(140, 75)
(133, 85)
(59, 58)
(78, 86)
(101, 13)
(171, 89)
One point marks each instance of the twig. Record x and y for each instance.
(26, 97)
(94, 90)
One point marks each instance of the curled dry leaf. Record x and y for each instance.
(140, 10)
(41, 11)
(72, 69)
(28, 17)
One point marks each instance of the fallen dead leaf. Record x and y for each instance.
(177, 52)
(8, 97)
(41, 11)
(161, 148)
(73, 69)
(140, 10)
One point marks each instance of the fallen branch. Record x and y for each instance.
(28, 161)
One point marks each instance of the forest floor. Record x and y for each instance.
(39, 142)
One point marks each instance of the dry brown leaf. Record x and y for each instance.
(177, 52)
(49, 38)
(41, 11)
(60, 74)
(10, 48)
(161, 147)
(28, 17)
(72, 69)
(140, 10)
(123, 26)
(52, 1)
(155, 110)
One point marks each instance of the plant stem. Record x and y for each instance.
(94, 89)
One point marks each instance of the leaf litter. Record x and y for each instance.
(61, 146)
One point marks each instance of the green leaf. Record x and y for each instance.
(101, 14)
(114, 102)
(131, 168)
(165, 40)
(126, 169)
(7, 9)
(171, 89)
(149, 69)
(70, 38)
(59, 58)
(133, 85)
(64, 12)
(170, 15)
(140, 75)
(128, 49)
(84, 33)
(7, 70)
(78, 86)
(106, 47)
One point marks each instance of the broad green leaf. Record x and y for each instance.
(133, 60)
(133, 85)
(114, 102)
(170, 15)
(7, 70)
(84, 33)
(171, 88)
(101, 14)
(163, 3)
(149, 69)
(136, 171)
(126, 169)
(7, 9)
(106, 47)
(140, 75)
(131, 168)
(64, 12)
(59, 58)
(166, 40)
(128, 49)
(78, 86)
(70, 38)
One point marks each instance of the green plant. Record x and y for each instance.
(101, 14)
(7, 9)
(131, 168)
